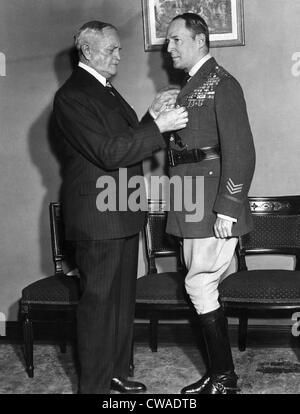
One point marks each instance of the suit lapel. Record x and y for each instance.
(90, 85)
(127, 111)
(197, 79)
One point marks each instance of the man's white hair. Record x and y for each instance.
(88, 30)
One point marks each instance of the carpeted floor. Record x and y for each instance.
(260, 370)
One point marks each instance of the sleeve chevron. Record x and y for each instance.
(234, 188)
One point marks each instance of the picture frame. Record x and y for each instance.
(225, 19)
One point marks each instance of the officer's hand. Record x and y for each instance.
(165, 99)
(223, 228)
(172, 119)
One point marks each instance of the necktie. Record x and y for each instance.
(118, 101)
(186, 78)
(109, 88)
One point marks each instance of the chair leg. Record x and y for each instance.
(62, 335)
(28, 345)
(153, 333)
(243, 326)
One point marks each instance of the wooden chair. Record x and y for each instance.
(160, 295)
(266, 292)
(53, 298)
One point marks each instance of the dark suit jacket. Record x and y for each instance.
(101, 134)
(217, 116)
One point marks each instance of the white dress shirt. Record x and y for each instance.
(198, 65)
(93, 72)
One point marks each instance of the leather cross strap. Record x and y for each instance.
(186, 156)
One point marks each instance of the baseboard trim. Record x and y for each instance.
(169, 333)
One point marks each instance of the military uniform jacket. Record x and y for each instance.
(99, 133)
(217, 116)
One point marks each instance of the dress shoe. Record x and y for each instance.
(127, 387)
(221, 384)
(196, 387)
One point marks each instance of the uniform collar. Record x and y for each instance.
(198, 65)
(196, 80)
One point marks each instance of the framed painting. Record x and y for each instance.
(225, 19)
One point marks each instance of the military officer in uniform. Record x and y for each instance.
(218, 145)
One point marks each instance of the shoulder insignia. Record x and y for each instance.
(222, 72)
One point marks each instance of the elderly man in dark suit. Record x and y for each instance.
(217, 144)
(100, 134)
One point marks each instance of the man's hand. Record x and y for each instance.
(223, 228)
(165, 99)
(172, 119)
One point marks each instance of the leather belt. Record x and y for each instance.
(186, 156)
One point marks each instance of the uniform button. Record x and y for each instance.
(210, 173)
(172, 138)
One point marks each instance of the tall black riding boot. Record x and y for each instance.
(220, 379)
(223, 379)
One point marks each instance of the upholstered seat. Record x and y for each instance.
(262, 286)
(162, 289)
(53, 290)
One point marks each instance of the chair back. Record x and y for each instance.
(57, 236)
(276, 228)
(158, 243)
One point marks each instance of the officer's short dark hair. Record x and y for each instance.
(196, 24)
